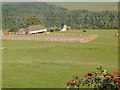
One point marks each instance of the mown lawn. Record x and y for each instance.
(35, 64)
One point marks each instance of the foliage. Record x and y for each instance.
(14, 29)
(101, 79)
(51, 15)
(57, 29)
(33, 21)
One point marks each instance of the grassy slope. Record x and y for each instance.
(92, 6)
(33, 64)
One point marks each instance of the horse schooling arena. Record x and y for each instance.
(79, 39)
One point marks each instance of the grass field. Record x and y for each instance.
(35, 64)
(91, 6)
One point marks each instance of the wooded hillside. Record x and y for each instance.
(16, 14)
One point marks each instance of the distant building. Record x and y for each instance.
(36, 29)
(84, 30)
(21, 31)
(64, 28)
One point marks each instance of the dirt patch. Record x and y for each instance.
(2, 48)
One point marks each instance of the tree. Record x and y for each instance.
(14, 29)
(95, 27)
(52, 15)
(33, 21)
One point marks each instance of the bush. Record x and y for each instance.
(14, 29)
(57, 29)
(101, 80)
(95, 27)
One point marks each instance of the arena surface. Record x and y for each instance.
(49, 38)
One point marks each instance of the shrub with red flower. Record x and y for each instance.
(101, 80)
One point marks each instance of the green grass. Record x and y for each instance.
(91, 6)
(35, 64)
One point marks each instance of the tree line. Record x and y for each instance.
(17, 15)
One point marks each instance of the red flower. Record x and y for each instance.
(110, 78)
(112, 74)
(69, 82)
(85, 75)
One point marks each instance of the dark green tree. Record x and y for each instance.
(25, 14)
(33, 21)
(14, 29)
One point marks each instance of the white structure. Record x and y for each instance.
(36, 29)
(21, 31)
(64, 28)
